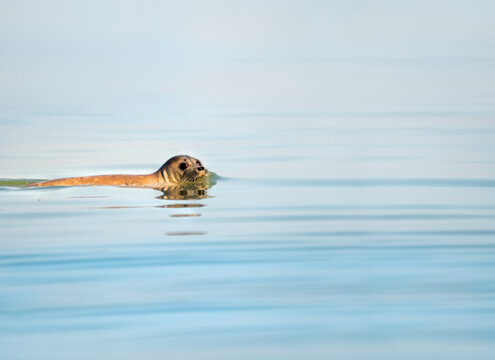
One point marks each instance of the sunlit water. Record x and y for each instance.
(328, 236)
(354, 216)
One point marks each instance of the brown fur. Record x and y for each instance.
(116, 180)
(169, 174)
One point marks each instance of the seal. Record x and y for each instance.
(179, 169)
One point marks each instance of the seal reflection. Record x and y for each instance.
(189, 191)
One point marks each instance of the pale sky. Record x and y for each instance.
(99, 56)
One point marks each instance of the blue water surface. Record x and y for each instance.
(354, 217)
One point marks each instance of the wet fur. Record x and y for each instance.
(168, 174)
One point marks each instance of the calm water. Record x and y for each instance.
(289, 259)
(355, 213)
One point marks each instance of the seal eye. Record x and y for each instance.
(183, 166)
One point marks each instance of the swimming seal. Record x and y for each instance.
(177, 170)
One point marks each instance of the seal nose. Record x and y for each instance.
(201, 168)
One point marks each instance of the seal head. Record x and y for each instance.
(182, 169)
